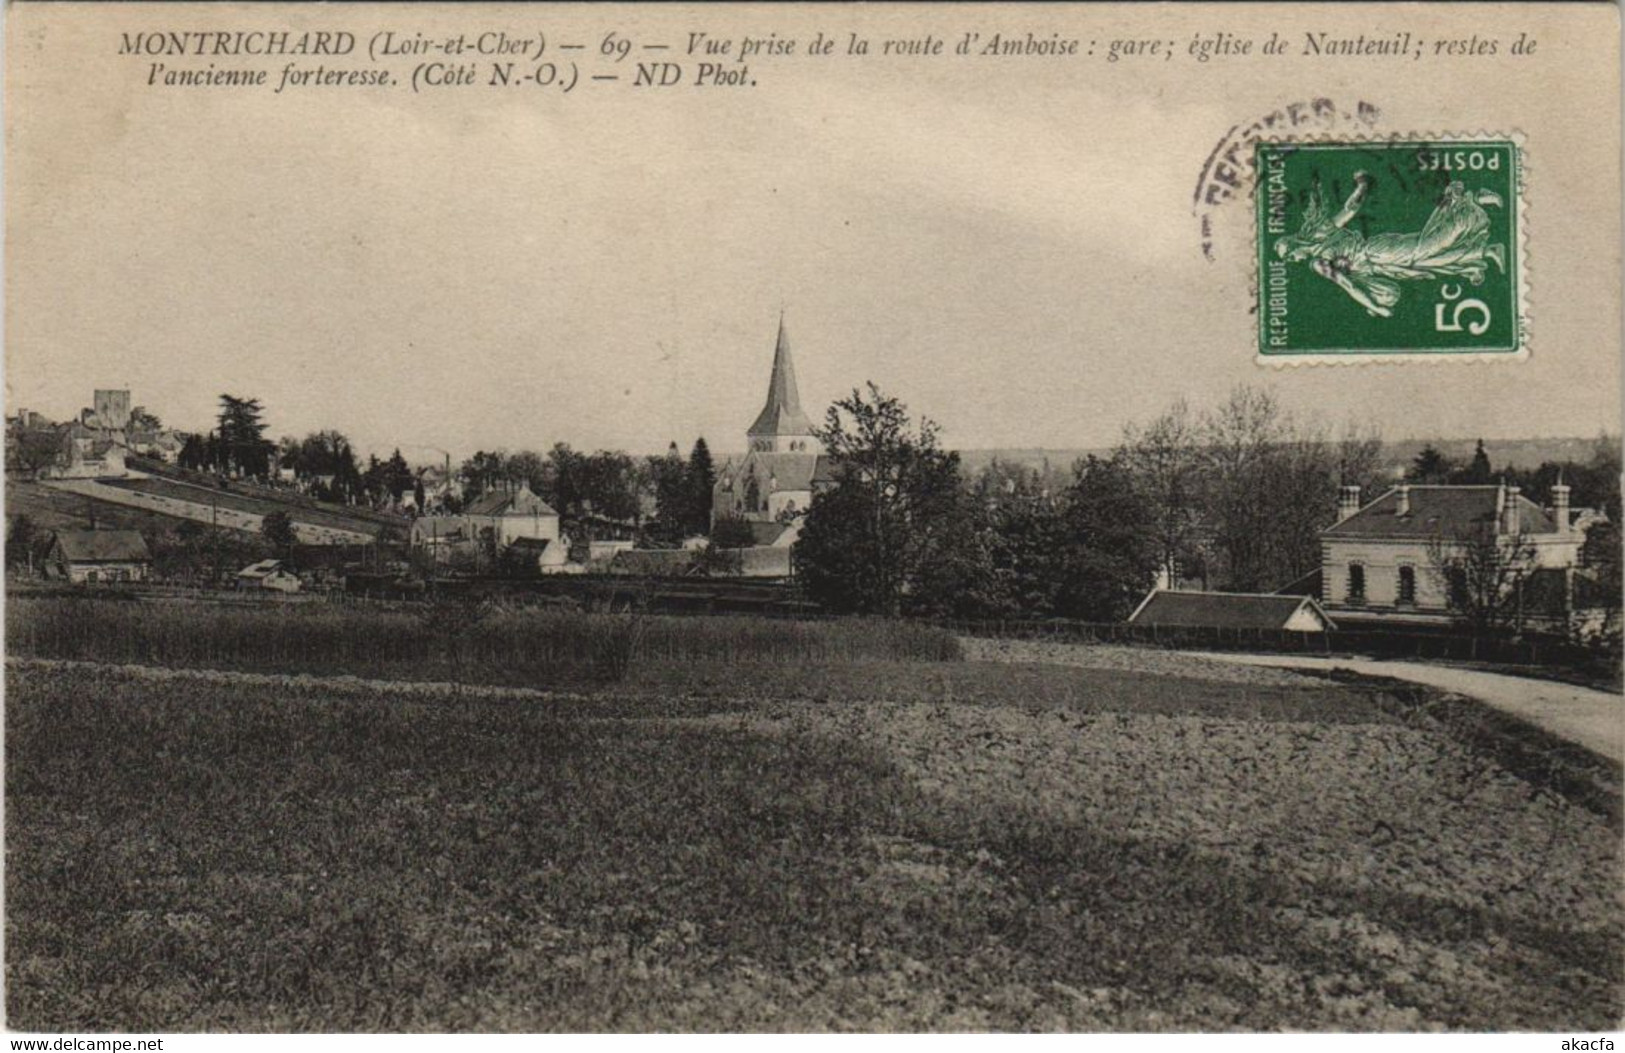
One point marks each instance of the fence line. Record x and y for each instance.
(1387, 643)
(695, 598)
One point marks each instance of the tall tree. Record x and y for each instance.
(1025, 537)
(22, 537)
(1482, 572)
(483, 471)
(329, 453)
(526, 467)
(1166, 457)
(398, 477)
(1359, 460)
(674, 501)
(277, 529)
(1478, 472)
(374, 480)
(894, 510)
(1003, 481)
(1600, 555)
(1266, 484)
(1429, 466)
(605, 483)
(194, 453)
(702, 482)
(242, 443)
(565, 485)
(28, 450)
(1242, 436)
(1111, 554)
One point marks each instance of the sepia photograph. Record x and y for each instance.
(812, 518)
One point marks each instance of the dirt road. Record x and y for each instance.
(1594, 719)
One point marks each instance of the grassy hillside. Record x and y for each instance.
(51, 509)
(257, 502)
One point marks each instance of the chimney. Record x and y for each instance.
(1348, 502)
(1404, 507)
(1560, 505)
(1511, 523)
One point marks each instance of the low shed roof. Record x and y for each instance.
(1228, 610)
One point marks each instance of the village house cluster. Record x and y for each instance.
(1399, 560)
(97, 443)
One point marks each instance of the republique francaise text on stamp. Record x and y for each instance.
(1386, 248)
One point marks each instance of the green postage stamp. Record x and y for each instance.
(1378, 249)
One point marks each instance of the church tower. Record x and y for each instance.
(782, 427)
(773, 483)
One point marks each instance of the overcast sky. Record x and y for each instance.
(1010, 248)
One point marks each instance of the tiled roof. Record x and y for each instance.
(1229, 610)
(1437, 511)
(103, 546)
(520, 502)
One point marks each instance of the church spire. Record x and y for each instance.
(782, 415)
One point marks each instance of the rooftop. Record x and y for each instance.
(1438, 511)
(1228, 610)
(520, 502)
(103, 546)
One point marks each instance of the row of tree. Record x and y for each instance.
(607, 483)
(1238, 494)
(1593, 482)
(902, 531)
(236, 445)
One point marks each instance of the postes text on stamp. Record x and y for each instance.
(1389, 248)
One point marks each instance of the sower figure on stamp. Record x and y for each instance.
(1453, 243)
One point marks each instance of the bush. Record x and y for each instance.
(732, 532)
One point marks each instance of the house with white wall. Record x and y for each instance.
(1380, 562)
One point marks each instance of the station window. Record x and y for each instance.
(1356, 583)
(1407, 586)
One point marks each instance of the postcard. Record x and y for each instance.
(812, 518)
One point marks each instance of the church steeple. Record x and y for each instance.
(781, 426)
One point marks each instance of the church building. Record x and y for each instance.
(773, 484)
